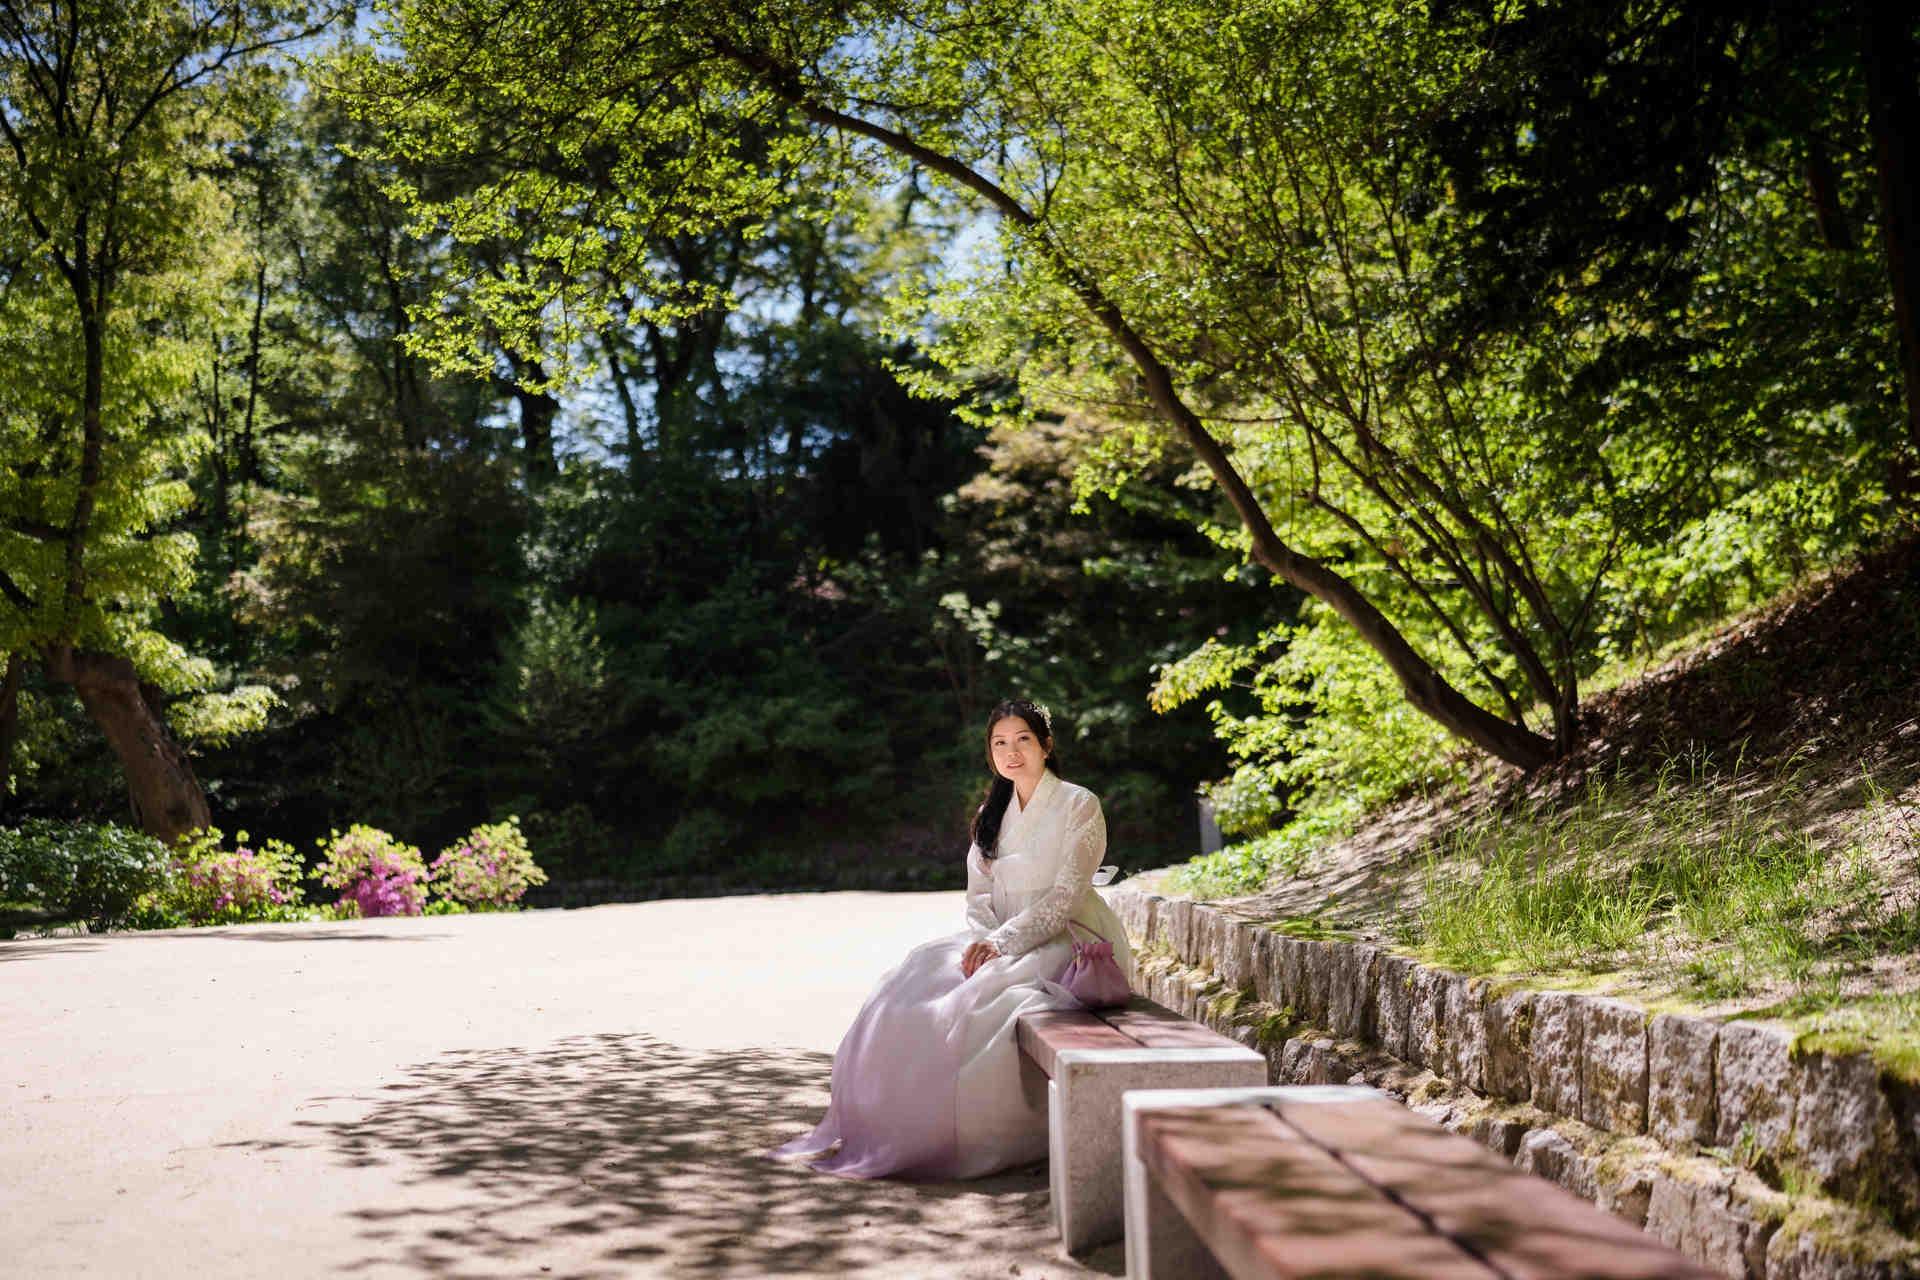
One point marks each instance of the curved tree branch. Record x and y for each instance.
(1423, 686)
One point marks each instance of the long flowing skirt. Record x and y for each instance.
(928, 1081)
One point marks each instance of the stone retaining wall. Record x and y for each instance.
(1721, 1138)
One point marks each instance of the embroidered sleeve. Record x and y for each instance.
(1086, 841)
(981, 919)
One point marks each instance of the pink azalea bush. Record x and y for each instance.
(208, 883)
(488, 869)
(375, 873)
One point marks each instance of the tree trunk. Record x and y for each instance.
(92, 446)
(629, 410)
(1893, 114)
(165, 794)
(1823, 186)
(538, 410)
(9, 723)
(247, 464)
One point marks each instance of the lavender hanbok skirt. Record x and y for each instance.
(928, 1081)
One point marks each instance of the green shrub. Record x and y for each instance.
(1332, 734)
(488, 869)
(571, 840)
(1246, 866)
(210, 884)
(79, 871)
(697, 841)
(376, 874)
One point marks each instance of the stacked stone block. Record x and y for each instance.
(1668, 1120)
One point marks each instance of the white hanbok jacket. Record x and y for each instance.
(1042, 873)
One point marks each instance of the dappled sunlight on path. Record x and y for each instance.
(649, 1158)
(548, 1093)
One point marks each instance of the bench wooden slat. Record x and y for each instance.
(1139, 1006)
(1042, 1036)
(1527, 1227)
(1155, 1027)
(1271, 1204)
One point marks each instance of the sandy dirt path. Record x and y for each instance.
(566, 1094)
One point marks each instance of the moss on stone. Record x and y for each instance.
(1500, 986)
(1310, 927)
(1843, 1231)
(1226, 1002)
(1158, 949)
(1624, 1158)
(1702, 1170)
(1274, 1028)
(1887, 1027)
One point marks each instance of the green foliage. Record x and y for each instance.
(1074, 601)
(376, 874)
(1246, 866)
(1329, 737)
(1332, 730)
(207, 883)
(699, 839)
(598, 649)
(1287, 253)
(217, 718)
(553, 682)
(406, 757)
(551, 291)
(59, 758)
(737, 579)
(79, 871)
(121, 243)
(571, 840)
(490, 869)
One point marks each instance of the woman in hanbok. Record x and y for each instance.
(928, 1082)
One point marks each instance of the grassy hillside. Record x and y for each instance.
(1739, 834)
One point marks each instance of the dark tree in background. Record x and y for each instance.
(1596, 162)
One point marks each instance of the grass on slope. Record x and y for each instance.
(1715, 880)
(1739, 833)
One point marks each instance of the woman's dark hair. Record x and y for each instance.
(986, 822)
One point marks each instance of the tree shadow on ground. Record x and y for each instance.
(623, 1155)
(32, 948)
(29, 948)
(268, 932)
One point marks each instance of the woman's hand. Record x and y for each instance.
(976, 955)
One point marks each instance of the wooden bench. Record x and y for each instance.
(1090, 1059)
(1335, 1181)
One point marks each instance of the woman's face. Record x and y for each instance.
(1018, 754)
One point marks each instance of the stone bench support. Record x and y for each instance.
(1092, 1059)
